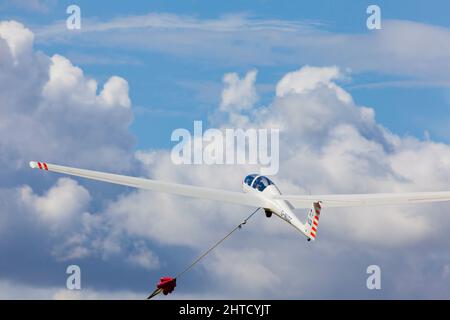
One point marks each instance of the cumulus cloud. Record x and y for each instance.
(50, 110)
(66, 78)
(309, 78)
(332, 145)
(18, 39)
(329, 144)
(238, 94)
(60, 204)
(246, 269)
(144, 258)
(115, 92)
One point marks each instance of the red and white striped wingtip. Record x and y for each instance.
(38, 165)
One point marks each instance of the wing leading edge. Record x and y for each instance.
(155, 185)
(297, 201)
(362, 200)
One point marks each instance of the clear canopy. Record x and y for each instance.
(260, 183)
(249, 179)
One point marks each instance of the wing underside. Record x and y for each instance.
(362, 200)
(297, 201)
(156, 185)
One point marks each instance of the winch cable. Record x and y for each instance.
(239, 226)
(216, 244)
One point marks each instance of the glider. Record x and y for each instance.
(261, 192)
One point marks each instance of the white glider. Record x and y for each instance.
(260, 191)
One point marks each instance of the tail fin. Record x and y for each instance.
(312, 222)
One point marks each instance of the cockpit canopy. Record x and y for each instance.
(249, 179)
(260, 183)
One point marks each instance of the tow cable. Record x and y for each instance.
(166, 285)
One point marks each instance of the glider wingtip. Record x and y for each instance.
(33, 164)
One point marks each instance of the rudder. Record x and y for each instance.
(312, 222)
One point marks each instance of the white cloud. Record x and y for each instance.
(64, 79)
(246, 269)
(238, 94)
(401, 48)
(308, 78)
(51, 111)
(226, 23)
(329, 144)
(92, 294)
(333, 146)
(68, 82)
(60, 204)
(12, 290)
(115, 92)
(18, 38)
(142, 257)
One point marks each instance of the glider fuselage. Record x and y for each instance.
(266, 189)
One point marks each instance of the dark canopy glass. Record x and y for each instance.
(262, 183)
(248, 179)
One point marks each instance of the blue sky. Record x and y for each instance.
(160, 65)
(404, 110)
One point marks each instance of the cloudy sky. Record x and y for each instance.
(358, 111)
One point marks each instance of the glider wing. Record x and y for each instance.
(155, 185)
(361, 200)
